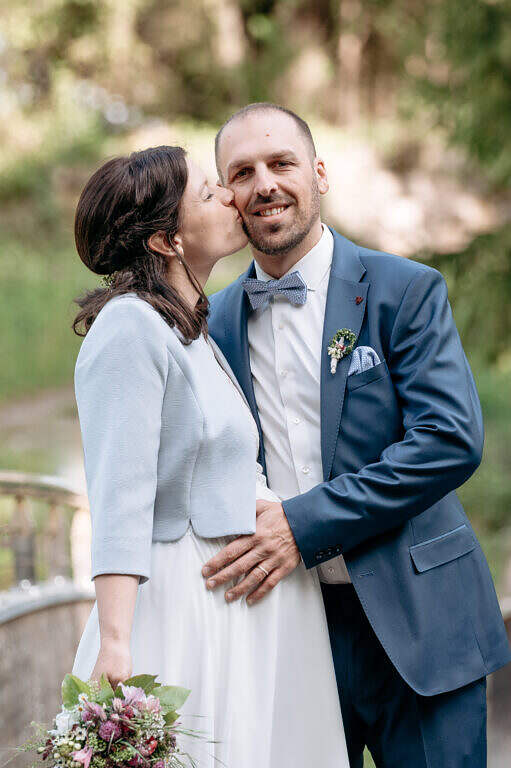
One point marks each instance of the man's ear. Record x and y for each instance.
(321, 176)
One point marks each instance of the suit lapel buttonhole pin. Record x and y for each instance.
(341, 345)
(359, 300)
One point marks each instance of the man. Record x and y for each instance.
(369, 420)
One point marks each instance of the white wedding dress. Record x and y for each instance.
(262, 678)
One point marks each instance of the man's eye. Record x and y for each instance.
(241, 173)
(282, 162)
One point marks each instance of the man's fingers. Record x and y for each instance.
(227, 555)
(251, 581)
(266, 586)
(242, 565)
(261, 505)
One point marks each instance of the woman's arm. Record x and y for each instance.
(120, 381)
(116, 595)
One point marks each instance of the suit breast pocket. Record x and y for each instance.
(370, 419)
(375, 373)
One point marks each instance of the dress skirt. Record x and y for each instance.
(262, 679)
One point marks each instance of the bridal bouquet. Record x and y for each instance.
(135, 725)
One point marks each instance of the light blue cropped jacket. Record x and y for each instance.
(168, 440)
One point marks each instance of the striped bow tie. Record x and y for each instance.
(291, 286)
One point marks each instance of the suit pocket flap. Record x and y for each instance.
(442, 549)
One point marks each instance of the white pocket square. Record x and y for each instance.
(362, 358)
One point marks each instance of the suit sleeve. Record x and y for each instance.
(120, 381)
(441, 445)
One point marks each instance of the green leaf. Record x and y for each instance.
(106, 692)
(170, 717)
(146, 682)
(171, 696)
(72, 686)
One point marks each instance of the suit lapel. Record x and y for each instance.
(237, 351)
(345, 308)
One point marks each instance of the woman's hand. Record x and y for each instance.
(114, 661)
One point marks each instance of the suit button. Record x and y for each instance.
(337, 549)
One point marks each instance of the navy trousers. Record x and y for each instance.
(381, 711)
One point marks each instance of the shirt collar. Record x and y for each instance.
(313, 266)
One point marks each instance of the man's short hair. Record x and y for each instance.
(266, 106)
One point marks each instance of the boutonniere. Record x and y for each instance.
(340, 346)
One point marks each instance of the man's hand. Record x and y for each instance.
(272, 546)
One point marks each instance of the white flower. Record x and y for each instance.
(65, 720)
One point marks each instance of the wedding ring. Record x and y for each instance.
(263, 569)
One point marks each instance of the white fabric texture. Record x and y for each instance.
(285, 359)
(262, 677)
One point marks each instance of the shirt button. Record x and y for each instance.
(331, 570)
(296, 420)
(281, 326)
(283, 373)
(306, 470)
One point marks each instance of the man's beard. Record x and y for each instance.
(290, 236)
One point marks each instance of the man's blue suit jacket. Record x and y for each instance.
(396, 441)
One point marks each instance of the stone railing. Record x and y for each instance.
(44, 530)
(45, 598)
(40, 627)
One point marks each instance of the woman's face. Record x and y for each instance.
(210, 224)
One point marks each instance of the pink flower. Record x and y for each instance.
(153, 704)
(117, 704)
(91, 710)
(83, 756)
(159, 764)
(133, 695)
(109, 730)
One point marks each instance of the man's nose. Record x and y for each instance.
(226, 195)
(265, 183)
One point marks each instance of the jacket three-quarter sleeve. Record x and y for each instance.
(120, 380)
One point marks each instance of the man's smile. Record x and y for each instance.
(272, 211)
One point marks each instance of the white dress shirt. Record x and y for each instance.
(285, 359)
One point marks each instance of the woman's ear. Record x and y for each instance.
(159, 242)
(177, 246)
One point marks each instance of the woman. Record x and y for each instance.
(170, 451)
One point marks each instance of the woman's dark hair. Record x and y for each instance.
(122, 205)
